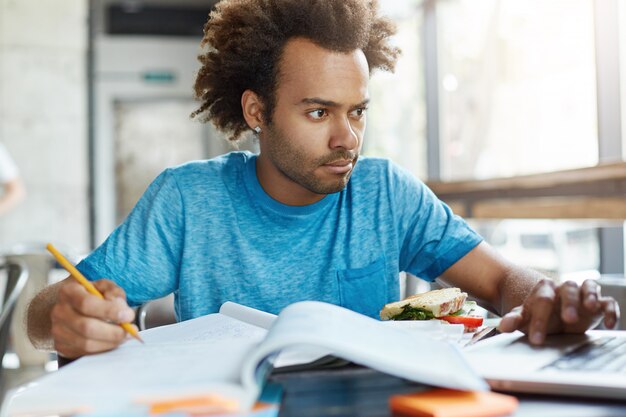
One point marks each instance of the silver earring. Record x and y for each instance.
(257, 130)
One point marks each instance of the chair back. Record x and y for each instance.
(14, 275)
(155, 313)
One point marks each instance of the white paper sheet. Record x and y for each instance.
(220, 354)
(367, 342)
(435, 329)
(202, 329)
(200, 355)
(248, 315)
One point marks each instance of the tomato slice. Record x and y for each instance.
(470, 322)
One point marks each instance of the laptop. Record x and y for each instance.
(590, 365)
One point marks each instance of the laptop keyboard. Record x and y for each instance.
(606, 354)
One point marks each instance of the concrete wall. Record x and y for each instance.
(43, 119)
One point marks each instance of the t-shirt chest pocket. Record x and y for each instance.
(364, 290)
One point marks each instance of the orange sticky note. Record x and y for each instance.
(450, 403)
(202, 405)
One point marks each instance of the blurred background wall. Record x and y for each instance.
(95, 98)
(43, 118)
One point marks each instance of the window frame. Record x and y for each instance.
(464, 196)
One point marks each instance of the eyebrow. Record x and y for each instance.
(330, 103)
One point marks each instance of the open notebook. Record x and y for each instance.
(231, 353)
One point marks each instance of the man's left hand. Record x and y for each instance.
(565, 308)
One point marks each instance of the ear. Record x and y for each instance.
(252, 109)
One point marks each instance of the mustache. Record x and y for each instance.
(336, 156)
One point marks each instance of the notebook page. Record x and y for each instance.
(206, 328)
(248, 315)
(117, 380)
(199, 355)
(368, 342)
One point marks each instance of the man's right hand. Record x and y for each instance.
(83, 324)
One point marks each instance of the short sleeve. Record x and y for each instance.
(143, 254)
(433, 238)
(8, 169)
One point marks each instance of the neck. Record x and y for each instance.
(282, 188)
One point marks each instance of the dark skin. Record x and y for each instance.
(528, 301)
(307, 151)
(66, 318)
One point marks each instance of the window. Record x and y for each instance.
(561, 249)
(536, 241)
(517, 87)
(622, 63)
(396, 121)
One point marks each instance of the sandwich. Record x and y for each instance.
(448, 304)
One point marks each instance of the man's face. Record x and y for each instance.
(316, 134)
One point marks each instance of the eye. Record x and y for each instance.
(358, 113)
(318, 114)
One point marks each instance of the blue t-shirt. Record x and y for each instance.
(209, 233)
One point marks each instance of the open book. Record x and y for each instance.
(231, 353)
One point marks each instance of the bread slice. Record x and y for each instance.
(441, 303)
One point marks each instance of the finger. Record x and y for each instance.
(75, 336)
(83, 343)
(591, 296)
(71, 345)
(109, 289)
(569, 295)
(540, 307)
(513, 320)
(64, 316)
(86, 304)
(611, 311)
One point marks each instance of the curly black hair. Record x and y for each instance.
(245, 40)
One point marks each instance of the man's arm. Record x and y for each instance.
(527, 300)
(487, 276)
(14, 192)
(66, 318)
(38, 317)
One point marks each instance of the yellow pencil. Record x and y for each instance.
(87, 284)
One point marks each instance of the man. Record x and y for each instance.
(303, 219)
(12, 186)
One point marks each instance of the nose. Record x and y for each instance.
(343, 135)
